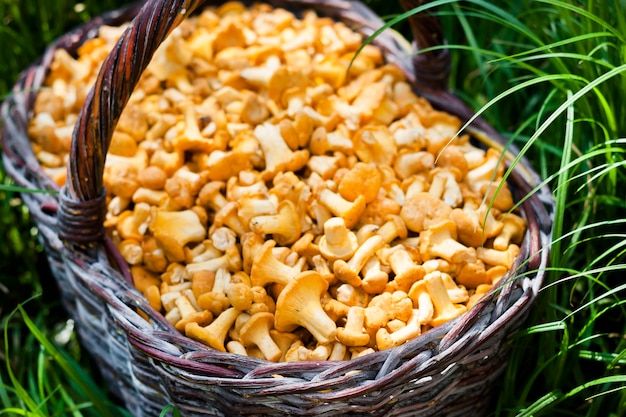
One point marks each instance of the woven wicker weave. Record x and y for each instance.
(449, 370)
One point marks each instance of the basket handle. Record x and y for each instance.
(82, 200)
(432, 68)
(82, 203)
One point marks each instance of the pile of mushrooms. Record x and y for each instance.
(274, 201)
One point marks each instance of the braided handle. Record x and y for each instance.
(119, 74)
(432, 68)
(82, 201)
(82, 204)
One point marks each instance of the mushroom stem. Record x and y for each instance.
(231, 260)
(374, 279)
(299, 305)
(267, 269)
(338, 352)
(422, 301)
(513, 227)
(439, 241)
(349, 271)
(445, 310)
(405, 269)
(393, 228)
(337, 242)
(498, 257)
(284, 226)
(256, 331)
(352, 333)
(385, 340)
(215, 333)
(350, 211)
(227, 215)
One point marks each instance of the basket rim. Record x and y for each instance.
(496, 314)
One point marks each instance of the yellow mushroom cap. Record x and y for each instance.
(299, 305)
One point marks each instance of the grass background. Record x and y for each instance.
(549, 74)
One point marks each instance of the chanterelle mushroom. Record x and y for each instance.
(422, 210)
(174, 230)
(337, 242)
(362, 179)
(512, 231)
(353, 333)
(439, 240)
(445, 310)
(266, 269)
(215, 333)
(299, 305)
(256, 332)
(284, 226)
(396, 223)
(277, 154)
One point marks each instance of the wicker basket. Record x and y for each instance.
(449, 370)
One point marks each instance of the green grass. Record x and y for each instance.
(552, 74)
(43, 371)
(549, 74)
